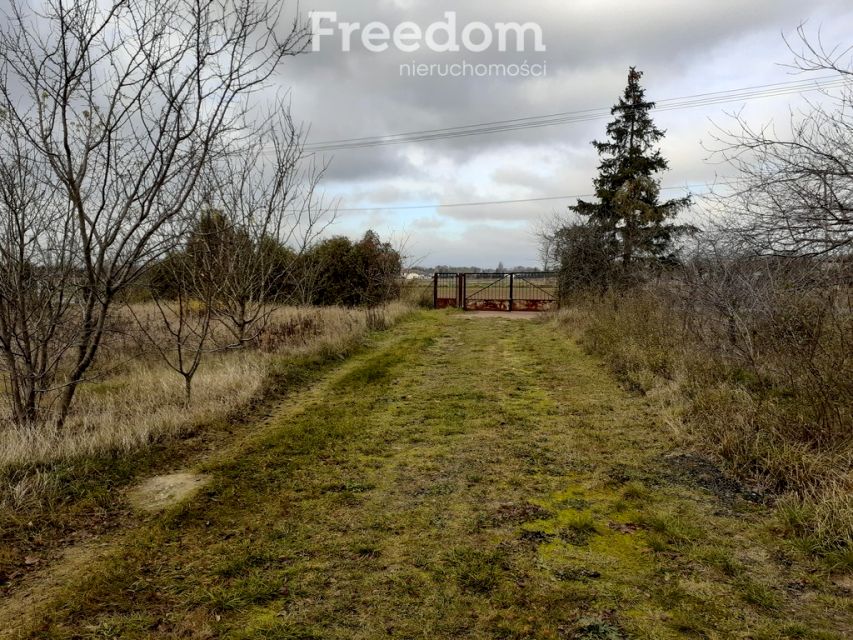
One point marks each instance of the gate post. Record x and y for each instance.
(510, 290)
(435, 291)
(460, 292)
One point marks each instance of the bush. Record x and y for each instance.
(631, 333)
(761, 356)
(341, 272)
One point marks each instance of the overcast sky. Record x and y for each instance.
(684, 48)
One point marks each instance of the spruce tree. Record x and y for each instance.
(635, 225)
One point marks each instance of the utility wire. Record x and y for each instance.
(585, 115)
(781, 85)
(500, 202)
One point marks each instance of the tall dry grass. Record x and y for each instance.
(767, 387)
(418, 293)
(136, 399)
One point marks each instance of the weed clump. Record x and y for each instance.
(594, 629)
(578, 527)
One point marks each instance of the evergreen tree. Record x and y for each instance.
(628, 214)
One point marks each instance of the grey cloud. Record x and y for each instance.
(481, 245)
(367, 165)
(684, 48)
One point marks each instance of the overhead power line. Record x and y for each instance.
(500, 202)
(585, 115)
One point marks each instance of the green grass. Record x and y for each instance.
(82, 493)
(463, 478)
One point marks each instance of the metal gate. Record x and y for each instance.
(530, 291)
(447, 290)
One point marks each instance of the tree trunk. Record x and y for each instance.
(188, 390)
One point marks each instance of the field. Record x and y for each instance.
(461, 476)
(136, 399)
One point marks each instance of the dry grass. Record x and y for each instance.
(418, 293)
(141, 400)
(776, 407)
(142, 404)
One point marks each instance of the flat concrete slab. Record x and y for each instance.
(161, 492)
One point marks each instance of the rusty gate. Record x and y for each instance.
(528, 291)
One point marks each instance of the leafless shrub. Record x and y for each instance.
(299, 329)
(762, 370)
(116, 109)
(793, 191)
(587, 259)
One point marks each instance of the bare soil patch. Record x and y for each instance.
(161, 492)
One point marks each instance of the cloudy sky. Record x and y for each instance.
(683, 47)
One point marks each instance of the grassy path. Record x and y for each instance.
(462, 479)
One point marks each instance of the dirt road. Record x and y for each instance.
(457, 480)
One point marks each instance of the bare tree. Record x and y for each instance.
(183, 288)
(793, 192)
(186, 316)
(545, 233)
(37, 277)
(271, 213)
(256, 212)
(123, 105)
